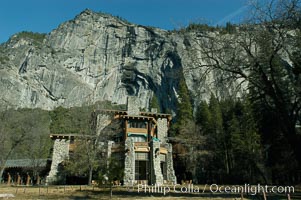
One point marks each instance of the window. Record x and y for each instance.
(162, 157)
(137, 124)
(163, 166)
(141, 170)
(139, 138)
(118, 138)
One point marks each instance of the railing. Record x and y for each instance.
(141, 144)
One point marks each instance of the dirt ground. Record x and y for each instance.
(122, 193)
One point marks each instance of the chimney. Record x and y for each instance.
(154, 110)
(133, 105)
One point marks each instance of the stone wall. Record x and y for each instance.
(129, 163)
(156, 174)
(162, 129)
(171, 177)
(60, 153)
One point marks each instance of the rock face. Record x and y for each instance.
(98, 57)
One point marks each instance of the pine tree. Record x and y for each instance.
(184, 107)
(155, 103)
(203, 116)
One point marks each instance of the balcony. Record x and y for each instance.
(141, 146)
(137, 130)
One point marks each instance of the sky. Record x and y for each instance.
(45, 15)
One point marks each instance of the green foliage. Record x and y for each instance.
(266, 56)
(232, 140)
(184, 108)
(203, 116)
(200, 27)
(72, 120)
(155, 103)
(4, 59)
(85, 159)
(113, 170)
(76, 120)
(37, 38)
(32, 126)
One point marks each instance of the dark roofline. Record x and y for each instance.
(163, 115)
(69, 136)
(124, 112)
(26, 163)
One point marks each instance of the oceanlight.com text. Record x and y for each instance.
(251, 189)
(215, 188)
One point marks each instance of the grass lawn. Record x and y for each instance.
(123, 193)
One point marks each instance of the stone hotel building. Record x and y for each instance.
(142, 145)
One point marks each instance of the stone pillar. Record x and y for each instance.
(38, 180)
(8, 179)
(154, 110)
(162, 128)
(28, 180)
(133, 105)
(60, 153)
(156, 175)
(129, 163)
(18, 179)
(171, 177)
(109, 148)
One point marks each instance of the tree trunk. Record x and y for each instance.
(1, 174)
(111, 191)
(90, 176)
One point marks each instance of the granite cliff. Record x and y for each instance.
(97, 57)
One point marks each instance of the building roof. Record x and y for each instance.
(124, 112)
(156, 115)
(69, 136)
(26, 163)
(137, 117)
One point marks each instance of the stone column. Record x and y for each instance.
(162, 129)
(157, 177)
(28, 180)
(171, 177)
(133, 105)
(18, 179)
(129, 163)
(60, 153)
(8, 179)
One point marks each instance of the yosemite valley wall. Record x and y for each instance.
(97, 57)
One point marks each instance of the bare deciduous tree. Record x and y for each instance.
(264, 55)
